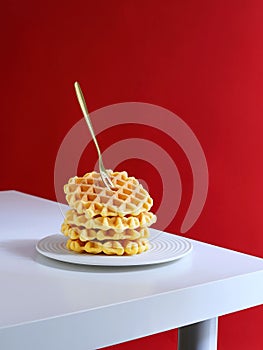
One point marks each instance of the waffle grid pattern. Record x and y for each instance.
(112, 222)
(88, 195)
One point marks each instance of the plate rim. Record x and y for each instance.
(99, 260)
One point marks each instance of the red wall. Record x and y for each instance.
(203, 60)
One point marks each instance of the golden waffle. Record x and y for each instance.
(117, 223)
(88, 195)
(109, 247)
(84, 234)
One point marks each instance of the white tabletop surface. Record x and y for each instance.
(41, 298)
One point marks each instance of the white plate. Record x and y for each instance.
(163, 247)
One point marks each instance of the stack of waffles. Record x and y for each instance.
(113, 222)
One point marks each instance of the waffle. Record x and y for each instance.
(117, 223)
(88, 234)
(89, 196)
(122, 247)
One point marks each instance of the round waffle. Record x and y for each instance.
(117, 223)
(84, 234)
(89, 196)
(109, 247)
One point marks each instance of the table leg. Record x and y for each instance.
(198, 336)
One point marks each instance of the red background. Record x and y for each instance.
(203, 60)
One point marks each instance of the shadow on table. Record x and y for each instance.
(23, 248)
(26, 249)
(92, 268)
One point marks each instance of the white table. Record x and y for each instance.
(47, 304)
